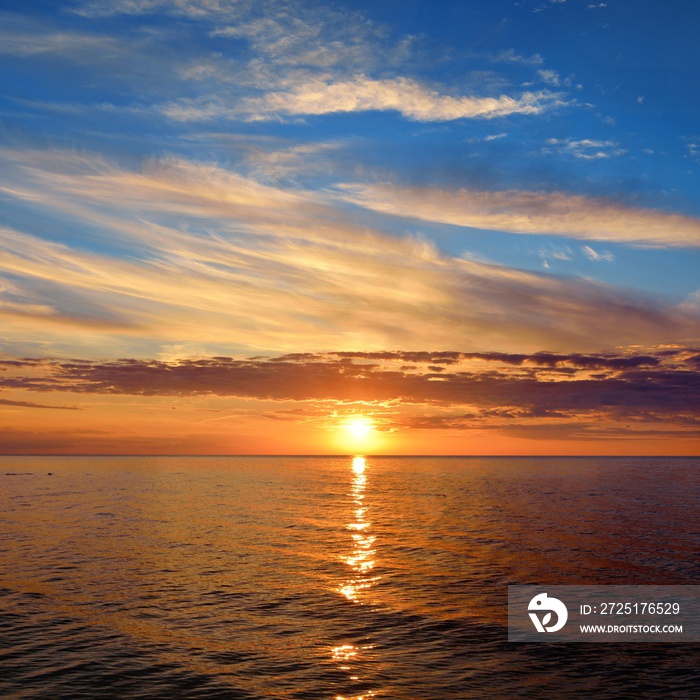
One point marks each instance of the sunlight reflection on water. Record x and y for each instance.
(361, 558)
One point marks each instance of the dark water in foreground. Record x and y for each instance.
(313, 578)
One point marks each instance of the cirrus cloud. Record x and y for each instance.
(520, 211)
(220, 257)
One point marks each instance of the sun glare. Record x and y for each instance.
(359, 427)
(357, 434)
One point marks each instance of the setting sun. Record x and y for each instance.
(359, 427)
(358, 433)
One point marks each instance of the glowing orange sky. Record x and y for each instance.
(368, 403)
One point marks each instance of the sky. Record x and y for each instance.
(401, 227)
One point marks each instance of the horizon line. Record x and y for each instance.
(349, 454)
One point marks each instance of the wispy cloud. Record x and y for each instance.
(585, 149)
(551, 77)
(184, 8)
(510, 56)
(406, 96)
(519, 211)
(692, 145)
(321, 40)
(70, 45)
(597, 256)
(220, 257)
(547, 5)
(31, 404)
(560, 253)
(290, 160)
(284, 34)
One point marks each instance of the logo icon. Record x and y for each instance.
(543, 603)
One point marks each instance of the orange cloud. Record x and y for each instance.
(645, 387)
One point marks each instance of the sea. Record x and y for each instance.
(341, 578)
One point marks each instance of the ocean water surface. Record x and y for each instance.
(330, 577)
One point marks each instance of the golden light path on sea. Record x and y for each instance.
(361, 561)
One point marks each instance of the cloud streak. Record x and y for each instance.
(73, 442)
(519, 211)
(584, 149)
(411, 99)
(30, 404)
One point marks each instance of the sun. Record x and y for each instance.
(359, 427)
(357, 433)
